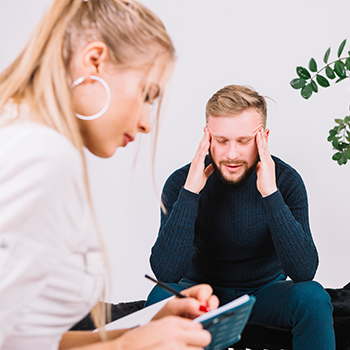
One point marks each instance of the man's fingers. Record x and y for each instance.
(203, 147)
(196, 177)
(263, 150)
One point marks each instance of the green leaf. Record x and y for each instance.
(341, 47)
(313, 65)
(306, 91)
(336, 156)
(343, 160)
(347, 63)
(340, 79)
(330, 138)
(322, 81)
(332, 132)
(314, 86)
(335, 144)
(347, 153)
(330, 72)
(347, 119)
(339, 68)
(340, 128)
(326, 56)
(303, 73)
(338, 121)
(297, 83)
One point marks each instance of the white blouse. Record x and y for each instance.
(51, 267)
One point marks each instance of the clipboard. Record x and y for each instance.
(227, 322)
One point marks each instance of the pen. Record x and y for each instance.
(175, 292)
(166, 287)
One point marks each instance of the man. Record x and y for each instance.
(238, 220)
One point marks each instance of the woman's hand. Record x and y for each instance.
(200, 299)
(168, 333)
(165, 331)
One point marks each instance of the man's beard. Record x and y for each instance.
(238, 181)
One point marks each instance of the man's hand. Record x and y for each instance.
(198, 175)
(265, 169)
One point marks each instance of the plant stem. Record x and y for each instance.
(339, 59)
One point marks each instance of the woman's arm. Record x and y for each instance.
(165, 329)
(168, 333)
(80, 338)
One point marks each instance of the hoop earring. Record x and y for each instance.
(106, 106)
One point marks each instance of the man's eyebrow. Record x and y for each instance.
(246, 137)
(240, 137)
(218, 136)
(251, 135)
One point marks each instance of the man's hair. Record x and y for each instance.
(234, 99)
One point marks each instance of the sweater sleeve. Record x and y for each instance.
(173, 250)
(288, 220)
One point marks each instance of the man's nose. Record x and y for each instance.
(232, 151)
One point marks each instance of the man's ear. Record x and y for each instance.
(267, 133)
(94, 57)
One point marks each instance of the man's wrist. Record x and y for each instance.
(269, 192)
(191, 188)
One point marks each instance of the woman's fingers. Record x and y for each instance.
(200, 300)
(201, 292)
(167, 333)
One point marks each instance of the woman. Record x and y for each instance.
(87, 77)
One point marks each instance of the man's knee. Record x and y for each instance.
(311, 297)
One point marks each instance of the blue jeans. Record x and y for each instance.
(303, 307)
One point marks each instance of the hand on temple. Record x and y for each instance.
(198, 174)
(265, 169)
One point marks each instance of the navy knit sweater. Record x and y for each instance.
(232, 236)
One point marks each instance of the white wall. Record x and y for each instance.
(257, 43)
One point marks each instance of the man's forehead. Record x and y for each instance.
(234, 126)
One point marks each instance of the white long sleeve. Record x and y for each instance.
(51, 267)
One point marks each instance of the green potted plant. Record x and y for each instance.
(308, 82)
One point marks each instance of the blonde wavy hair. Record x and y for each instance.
(234, 99)
(39, 76)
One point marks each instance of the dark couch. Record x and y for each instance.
(257, 336)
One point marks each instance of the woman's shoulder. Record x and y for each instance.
(25, 141)
(32, 135)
